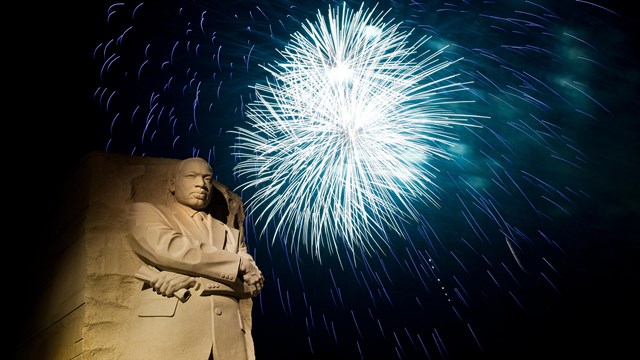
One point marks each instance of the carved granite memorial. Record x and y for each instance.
(92, 304)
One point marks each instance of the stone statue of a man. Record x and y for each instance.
(197, 270)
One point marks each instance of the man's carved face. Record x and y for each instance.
(192, 183)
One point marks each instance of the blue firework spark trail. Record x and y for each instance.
(176, 78)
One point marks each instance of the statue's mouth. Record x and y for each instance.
(200, 196)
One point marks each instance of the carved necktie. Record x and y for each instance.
(200, 219)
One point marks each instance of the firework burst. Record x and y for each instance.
(342, 139)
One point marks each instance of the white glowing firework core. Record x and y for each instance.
(341, 139)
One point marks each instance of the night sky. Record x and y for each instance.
(572, 291)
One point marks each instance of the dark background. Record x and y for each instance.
(594, 310)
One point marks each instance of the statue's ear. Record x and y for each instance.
(172, 185)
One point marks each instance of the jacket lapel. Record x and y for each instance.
(218, 233)
(232, 239)
(187, 225)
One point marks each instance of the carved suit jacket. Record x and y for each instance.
(168, 238)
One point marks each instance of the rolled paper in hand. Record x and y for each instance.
(147, 273)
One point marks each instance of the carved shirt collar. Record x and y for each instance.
(186, 209)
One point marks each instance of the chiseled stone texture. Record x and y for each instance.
(84, 308)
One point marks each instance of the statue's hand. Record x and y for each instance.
(167, 283)
(251, 275)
